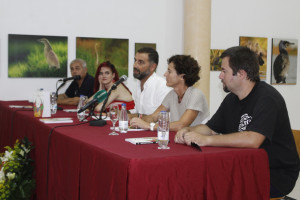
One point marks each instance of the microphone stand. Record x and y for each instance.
(56, 94)
(91, 114)
(100, 121)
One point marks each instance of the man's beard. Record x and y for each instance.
(225, 88)
(140, 75)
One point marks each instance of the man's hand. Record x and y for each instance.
(138, 122)
(179, 137)
(199, 139)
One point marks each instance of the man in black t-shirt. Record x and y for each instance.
(252, 115)
(84, 86)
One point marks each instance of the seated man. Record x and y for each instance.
(84, 86)
(187, 104)
(252, 115)
(151, 89)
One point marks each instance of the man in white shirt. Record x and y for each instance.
(151, 88)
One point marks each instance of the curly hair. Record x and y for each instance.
(243, 58)
(187, 65)
(104, 64)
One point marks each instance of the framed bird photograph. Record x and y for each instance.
(260, 46)
(284, 61)
(37, 56)
(215, 60)
(98, 50)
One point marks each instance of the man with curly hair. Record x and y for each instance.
(186, 104)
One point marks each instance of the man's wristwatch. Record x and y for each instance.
(152, 125)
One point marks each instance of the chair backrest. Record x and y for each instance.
(297, 139)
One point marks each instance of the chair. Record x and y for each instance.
(296, 134)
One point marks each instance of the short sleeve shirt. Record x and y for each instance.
(193, 99)
(86, 88)
(263, 111)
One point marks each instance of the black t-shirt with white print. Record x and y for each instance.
(263, 111)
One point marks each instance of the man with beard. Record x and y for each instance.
(151, 88)
(252, 115)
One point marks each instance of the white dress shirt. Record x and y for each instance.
(148, 100)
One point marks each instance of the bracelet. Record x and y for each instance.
(152, 125)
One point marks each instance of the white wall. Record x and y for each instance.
(256, 18)
(158, 21)
(138, 20)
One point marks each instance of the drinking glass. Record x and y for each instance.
(113, 114)
(82, 116)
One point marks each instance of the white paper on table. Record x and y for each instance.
(57, 120)
(70, 110)
(131, 129)
(19, 106)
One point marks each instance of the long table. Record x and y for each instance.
(86, 163)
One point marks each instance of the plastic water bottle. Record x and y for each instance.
(163, 130)
(53, 103)
(38, 105)
(123, 119)
(81, 116)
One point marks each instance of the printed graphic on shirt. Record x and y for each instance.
(245, 120)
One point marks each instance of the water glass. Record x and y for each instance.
(114, 116)
(53, 103)
(163, 130)
(81, 116)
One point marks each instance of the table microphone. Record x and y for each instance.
(76, 77)
(98, 97)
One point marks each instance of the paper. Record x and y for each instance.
(70, 110)
(132, 129)
(19, 106)
(57, 120)
(142, 140)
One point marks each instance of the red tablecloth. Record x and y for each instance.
(86, 163)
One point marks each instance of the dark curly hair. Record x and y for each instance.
(242, 58)
(187, 65)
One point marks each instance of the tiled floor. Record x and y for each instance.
(296, 191)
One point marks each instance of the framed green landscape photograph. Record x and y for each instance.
(97, 50)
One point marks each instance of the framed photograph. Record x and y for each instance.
(215, 60)
(259, 45)
(284, 61)
(138, 46)
(37, 56)
(97, 50)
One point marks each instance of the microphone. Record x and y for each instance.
(98, 97)
(122, 78)
(76, 77)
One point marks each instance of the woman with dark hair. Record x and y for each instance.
(106, 75)
(186, 104)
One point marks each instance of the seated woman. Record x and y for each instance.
(186, 104)
(106, 75)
